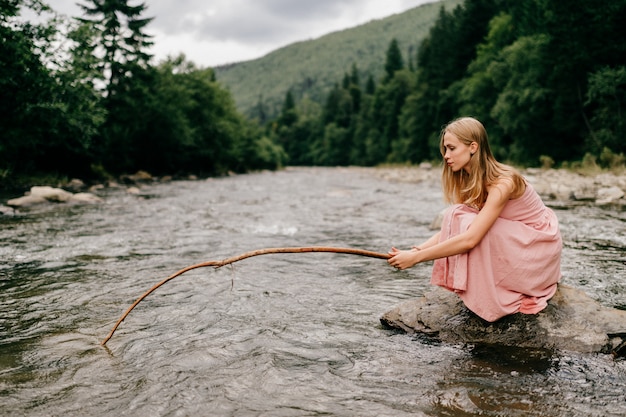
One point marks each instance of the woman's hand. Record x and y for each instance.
(403, 259)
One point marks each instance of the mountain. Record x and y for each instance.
(310, 68)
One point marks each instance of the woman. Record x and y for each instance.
(499, 247)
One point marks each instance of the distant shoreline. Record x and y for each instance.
(562, 185)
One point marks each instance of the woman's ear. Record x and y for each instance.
(473, 147)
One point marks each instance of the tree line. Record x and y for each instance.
(81, 97)
(546, 77)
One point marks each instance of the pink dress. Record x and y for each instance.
(514, 268)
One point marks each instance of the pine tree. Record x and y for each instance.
(122, 38)
(394, 60)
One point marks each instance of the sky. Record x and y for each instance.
(216, 32)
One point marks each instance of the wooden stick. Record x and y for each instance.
(218, 264)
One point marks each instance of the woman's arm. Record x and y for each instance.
(430, 242)
(401, 254)
(497, 198)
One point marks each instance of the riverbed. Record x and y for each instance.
(273, 335)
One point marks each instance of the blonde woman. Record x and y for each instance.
(499, 247)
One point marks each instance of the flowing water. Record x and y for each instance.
(274, 335)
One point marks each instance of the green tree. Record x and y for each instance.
(413, 145)
(584, 37)
(486, 78)
(288, 115)
(24, 86)
(331, 149)
(363, 126)
(443, 59)
(525, 99)
(606, 101)
(339, 106)
(120, 45)
(393, 61)
(45, 125)
(387, 108)
(122, 38)
(286, 132)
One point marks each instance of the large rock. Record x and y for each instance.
(609, 195)
(7, 211)
(26, 201)
(571, 322)
(57, 195)
(45, 194)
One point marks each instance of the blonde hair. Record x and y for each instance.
(472, 188)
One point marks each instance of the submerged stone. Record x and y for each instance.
(572, 322)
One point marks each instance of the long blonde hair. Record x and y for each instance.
(472, 188)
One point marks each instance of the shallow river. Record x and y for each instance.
(274, 335)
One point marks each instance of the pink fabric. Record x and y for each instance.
(515, 267)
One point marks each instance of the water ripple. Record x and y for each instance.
(277, 335)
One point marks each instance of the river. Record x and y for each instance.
(273, 335)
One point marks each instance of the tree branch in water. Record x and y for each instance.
(227, 261)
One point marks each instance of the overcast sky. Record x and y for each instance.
(215, 32)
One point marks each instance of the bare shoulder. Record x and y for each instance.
(505, 187)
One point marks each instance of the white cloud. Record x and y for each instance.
(217, 32)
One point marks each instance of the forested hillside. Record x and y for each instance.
(310, 68)
(82, 97)
(546, 77)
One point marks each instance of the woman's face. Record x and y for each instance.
(457, 154)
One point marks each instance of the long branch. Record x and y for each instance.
(218, 264)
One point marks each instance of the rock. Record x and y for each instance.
(86, 198)
(571, 322)
(75, 185)
(7, 211)
(139, 177)
(26, 201)
(46, 194)
(584, 193)
(609, 195)
(57, 195)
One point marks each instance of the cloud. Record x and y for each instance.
(216, 32)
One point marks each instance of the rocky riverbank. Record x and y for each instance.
(76, 192)
(555, 186)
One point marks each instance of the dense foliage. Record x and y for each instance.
(80, 98)
(548, 79)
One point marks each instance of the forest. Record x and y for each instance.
(83, 98)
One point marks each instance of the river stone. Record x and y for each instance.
(26, 201)
(46, 194)
(7, 211)
(86, 198)
(571, 322)
(608, 195)
(57, 195)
